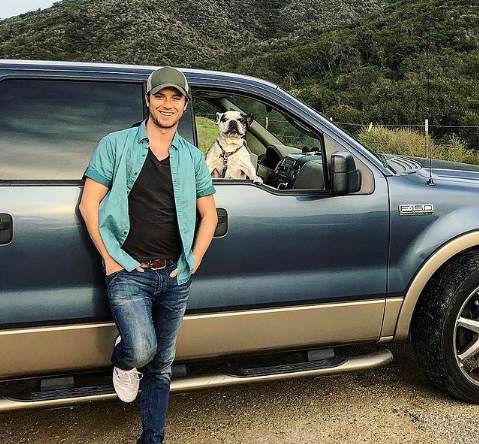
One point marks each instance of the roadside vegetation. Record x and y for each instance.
(407, 142)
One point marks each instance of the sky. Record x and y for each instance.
(9, 8)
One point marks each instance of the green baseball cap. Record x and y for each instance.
(167, 77)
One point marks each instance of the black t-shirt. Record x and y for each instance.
(154, 231)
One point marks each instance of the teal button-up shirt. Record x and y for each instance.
(117, 162)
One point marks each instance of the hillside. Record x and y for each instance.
(379, 69)
(190, 33)
(381, 61)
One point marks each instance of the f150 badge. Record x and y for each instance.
(415, 209)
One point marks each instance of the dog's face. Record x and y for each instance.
(234, 123)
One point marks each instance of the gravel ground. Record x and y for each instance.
(388, 405)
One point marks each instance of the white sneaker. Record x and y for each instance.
(126, 382)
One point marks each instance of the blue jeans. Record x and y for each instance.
(148, 309)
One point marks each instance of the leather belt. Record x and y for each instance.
(156, 264)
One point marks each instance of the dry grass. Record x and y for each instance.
(407, 142)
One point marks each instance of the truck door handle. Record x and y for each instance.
(6, 228)
(222, 226)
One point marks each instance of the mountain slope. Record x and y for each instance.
(381, 61)
(414, 59)
(187, 33)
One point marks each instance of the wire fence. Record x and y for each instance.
(406, 125)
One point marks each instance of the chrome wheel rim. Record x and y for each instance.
(466, 338)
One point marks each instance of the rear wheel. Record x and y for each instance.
(445, 328)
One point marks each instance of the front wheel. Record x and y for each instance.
(445, 328)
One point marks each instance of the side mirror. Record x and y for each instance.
(345, 177)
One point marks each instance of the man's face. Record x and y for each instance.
(166, 107)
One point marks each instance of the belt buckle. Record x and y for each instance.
(158, 268)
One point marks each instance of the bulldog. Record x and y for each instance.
(228, 157)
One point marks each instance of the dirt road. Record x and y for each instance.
(388, 405)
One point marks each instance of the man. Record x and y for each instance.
(143, 188)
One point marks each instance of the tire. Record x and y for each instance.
(442, 333)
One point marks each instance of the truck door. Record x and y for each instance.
(293, 266)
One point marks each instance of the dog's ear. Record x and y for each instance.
(249, 119)
(218, 118)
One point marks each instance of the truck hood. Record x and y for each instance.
(441, 169)
(453, 175)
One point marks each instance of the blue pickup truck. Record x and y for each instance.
(312, 272)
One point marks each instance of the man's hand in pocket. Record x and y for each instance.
(195, 267)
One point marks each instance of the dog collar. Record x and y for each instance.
(224, 154)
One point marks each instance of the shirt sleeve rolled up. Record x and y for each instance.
(204, 183)
(100, 167)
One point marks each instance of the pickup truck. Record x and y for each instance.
(337, 253)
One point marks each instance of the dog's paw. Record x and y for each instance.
(257, 180)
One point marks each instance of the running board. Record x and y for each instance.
(333, 366)
(287, 369)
